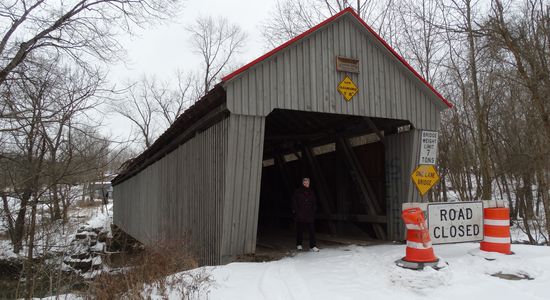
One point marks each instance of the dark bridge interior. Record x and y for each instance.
(344, 157)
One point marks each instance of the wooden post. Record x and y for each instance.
(320, 184)
(371, 203)
(283, 171)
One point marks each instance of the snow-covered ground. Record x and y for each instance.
(57, 236)
(369, 272)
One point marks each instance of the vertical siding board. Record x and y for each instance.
(273, 82)
(333, 77)
(402, 98)
(292, 80)
(339, 42)
(392, 90)
(357, 51)
(287, 76)
(258, 94)
(268, 83)
(249, 93)
(236, 180)
(352, 47)
(317, 104)
(243, 181)
(324, 100)
(301, 74)
(311, 80)
(348, 45)
(363, 76)
(262, 95)
(229, 186)
(280, 81)
(379, 83)
(386, 86)
(246, 184)
(410, 103)
(422, 113)
(368, 66)
(257, 174)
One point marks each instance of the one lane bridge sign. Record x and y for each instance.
(424, 177)
(455, 222)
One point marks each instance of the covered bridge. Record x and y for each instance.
(335, 103)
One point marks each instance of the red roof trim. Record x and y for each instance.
(311, 30)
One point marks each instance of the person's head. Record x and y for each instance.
(305, 182)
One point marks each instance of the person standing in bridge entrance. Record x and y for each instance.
(304, 205)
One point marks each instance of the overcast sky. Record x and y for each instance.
(161, 50)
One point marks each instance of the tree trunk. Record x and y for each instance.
(19, 226)
(29, 266)
(55, 202)
(480, 113)
(545, 195)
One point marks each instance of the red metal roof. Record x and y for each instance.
(313, 29)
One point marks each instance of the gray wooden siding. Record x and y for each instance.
(242, 181)
(304, 77)
(180, 196)
(401, 158)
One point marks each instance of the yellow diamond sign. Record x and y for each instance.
(347, 88)
(424, 177)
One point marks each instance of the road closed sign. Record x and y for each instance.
(455, 222)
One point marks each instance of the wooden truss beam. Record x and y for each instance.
(283, 171)
(375, 129)
(370, 201)
(319, 183)
(362, 218)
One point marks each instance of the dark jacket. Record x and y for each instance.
(304, 205)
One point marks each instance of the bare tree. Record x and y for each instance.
(177, 99)
(217, 41)
(521, 35)
(77, 30)
(139, 109)
(152, 105)
(421, 40)
(290, 18)
(49, 103)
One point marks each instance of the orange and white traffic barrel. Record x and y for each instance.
(419, 252)
(496, 230)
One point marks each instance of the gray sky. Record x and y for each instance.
(161, 50)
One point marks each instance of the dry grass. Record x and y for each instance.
(150, 276)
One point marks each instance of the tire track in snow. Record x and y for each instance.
(282, 281)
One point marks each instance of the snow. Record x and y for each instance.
(369, 272)
(57, 236)
(101, 217)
